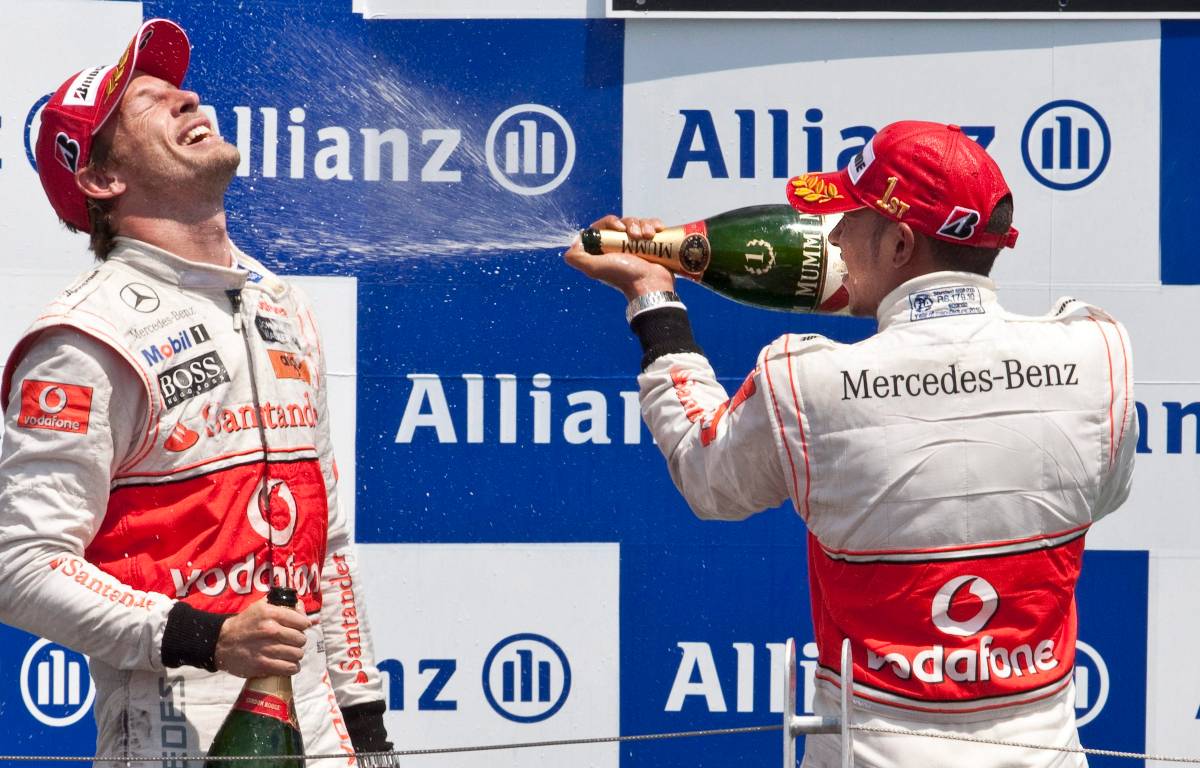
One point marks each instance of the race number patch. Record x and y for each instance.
(55, 406)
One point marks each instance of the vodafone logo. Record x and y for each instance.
(944, 602)
(271, 512)
(55, 406)
(279, 507)
(962, 608)
(52, 399)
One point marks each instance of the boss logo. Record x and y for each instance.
(194, 377)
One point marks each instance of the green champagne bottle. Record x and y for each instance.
(769, 256)
(263, 719)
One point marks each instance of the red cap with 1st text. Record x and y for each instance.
(930, 176)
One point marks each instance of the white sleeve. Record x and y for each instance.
(74, 409)
(1118, 478)
(720, 451)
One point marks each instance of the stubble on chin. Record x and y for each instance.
(217, 168)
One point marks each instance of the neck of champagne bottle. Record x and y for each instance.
(275, 685)
(679, 249)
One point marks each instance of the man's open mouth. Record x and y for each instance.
(197, 135)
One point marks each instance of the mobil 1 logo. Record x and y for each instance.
(194, 377)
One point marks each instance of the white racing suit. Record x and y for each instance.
(144, 410)
(947, 469)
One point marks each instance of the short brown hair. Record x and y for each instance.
(99, 211)
(966, 258)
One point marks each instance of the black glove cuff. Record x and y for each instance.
(190, 637)
(365, 725)
(664, 331)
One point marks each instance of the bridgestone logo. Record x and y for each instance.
(195, 377)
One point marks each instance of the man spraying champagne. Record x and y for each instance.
(947, 468)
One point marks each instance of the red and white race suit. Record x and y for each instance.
(145, 411)
(947, 469)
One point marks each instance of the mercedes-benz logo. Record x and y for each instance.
(140, 297)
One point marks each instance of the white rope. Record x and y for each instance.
(370, 758)
(377, 758)
(1025, 745)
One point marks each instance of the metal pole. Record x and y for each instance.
(847, 703)
(795, 725)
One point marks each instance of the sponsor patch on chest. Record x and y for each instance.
(289, 365)
(950, 301)
(275, 330)
(191, 378)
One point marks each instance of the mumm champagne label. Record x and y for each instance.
(811, 278)
(681, 249)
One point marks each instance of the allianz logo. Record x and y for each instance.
(479, 409)
(526, 679)
(505, 409)
(739, 686)
(529, 148)
(1065, 144)
(55, 684)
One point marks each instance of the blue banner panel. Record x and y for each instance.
(1180, 195)
(489, 414)
(46, 697)
(1110, 663)
(702, 634)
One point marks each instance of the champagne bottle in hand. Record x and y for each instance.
(766, 255)
(263, 720)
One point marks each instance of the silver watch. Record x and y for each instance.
(652, 300)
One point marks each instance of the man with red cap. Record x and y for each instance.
(947, 467)
(166, 457)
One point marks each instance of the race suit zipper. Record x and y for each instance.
(264, 491)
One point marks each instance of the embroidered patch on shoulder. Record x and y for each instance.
(55, 406)
(949, 301)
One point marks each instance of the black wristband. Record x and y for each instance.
(663, 331)
(364, 722)
(190, 637)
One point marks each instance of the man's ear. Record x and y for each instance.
(98, 183)
(904, 246)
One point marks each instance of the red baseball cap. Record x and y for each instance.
(931, 176)
(81, 106)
